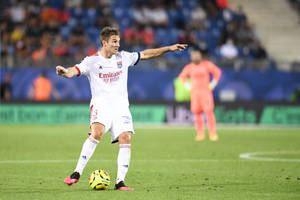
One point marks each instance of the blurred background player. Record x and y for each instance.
(107, 71)
(202, 101)
(42, 88)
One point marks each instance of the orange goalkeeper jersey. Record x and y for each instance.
(201, 95)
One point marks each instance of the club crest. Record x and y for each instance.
(119, 63)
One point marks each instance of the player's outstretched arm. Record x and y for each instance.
(67, 73)
(152, 53)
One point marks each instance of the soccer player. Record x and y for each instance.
(201, 92)
(107, 72)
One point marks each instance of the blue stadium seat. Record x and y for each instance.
(91, 15)
(186, 13)
(65, 31)
(125, 23)
(162, 36)
(191, 4)
(118, 13)
(55, 3)
(202, 35)
(86, 23)
(173, 14)
(173, 35)
(93, 34)
(72, 23)
(212, 23)
(77, 13)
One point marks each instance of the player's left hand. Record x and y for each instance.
(178, 47)
(212, 85)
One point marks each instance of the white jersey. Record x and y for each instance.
(108, 77)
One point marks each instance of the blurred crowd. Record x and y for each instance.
(295, 4)
(44, 33)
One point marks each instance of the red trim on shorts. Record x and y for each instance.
(78, 70)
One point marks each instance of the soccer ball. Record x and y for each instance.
(99, 180)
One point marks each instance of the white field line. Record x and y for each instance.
(245, 158)
(263, 156)
(252, 156)
(158, 161)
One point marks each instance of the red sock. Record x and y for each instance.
(199, 123)
(211, 122)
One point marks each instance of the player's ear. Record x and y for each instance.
(104, 42)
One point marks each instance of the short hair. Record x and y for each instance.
(195, 48)
(107, 32)
(203, 51)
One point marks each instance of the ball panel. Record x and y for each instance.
(99, 180)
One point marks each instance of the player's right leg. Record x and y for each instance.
(197, 109)
(199, 123)
(87, 151)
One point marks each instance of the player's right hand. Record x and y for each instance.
(60, 70)
(187, 85)
(178, 47)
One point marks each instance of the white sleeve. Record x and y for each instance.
(83, 67)
(131, 58)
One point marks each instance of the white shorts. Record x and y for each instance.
(116, 121)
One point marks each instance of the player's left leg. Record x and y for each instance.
(208, 108)
(211, 124)
(123, 160)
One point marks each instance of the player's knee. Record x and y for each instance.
(97, 135)
(125, 138)
(97, 131)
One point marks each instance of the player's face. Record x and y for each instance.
(113, 44)
(196, 56)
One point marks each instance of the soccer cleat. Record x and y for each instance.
(213, 138)
(199, 138)
(72, 179)
(122, 186)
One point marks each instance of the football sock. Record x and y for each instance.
(87, 151)
(123, 161)
(211, 122)
(199, 123)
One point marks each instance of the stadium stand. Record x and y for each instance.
(278, 27)
(295, 4)
(45, 33)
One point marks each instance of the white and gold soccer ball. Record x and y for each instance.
(99, 179)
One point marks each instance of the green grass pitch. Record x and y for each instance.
(166, 164)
